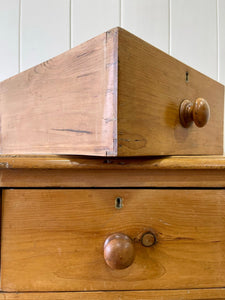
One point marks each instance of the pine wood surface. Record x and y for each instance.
(114, 95)
(112, 178)
(151, 88)
(64, 105)
(72, 171)
(198, 294)
(52, 240)
(136, 163)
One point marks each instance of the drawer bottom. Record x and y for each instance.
(196, 294)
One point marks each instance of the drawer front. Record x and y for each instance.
(151, 87)
(52, 240)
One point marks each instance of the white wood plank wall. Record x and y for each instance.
(44, 30)
(32, 31)
(9, 38)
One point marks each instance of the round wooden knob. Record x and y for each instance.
(119, 251)
(199, 112)
(148, 239)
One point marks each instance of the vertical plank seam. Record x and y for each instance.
(121, 13)
(19, 38)
(120, 3)
(218, 39)
(169, 27)
(70, 24)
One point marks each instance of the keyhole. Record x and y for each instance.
(119, 202)
(187, 76)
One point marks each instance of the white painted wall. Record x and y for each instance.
(32, 31)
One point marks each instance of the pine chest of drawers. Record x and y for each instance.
(129, 228)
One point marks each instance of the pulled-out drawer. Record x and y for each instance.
(114, 95)
(53, 239)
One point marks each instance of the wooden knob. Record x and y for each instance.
(119, 251)
(148, 239)
(199, 112)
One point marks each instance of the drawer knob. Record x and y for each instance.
(148, 239)
(119, 251)
(197, 111)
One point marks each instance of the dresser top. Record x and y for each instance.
(78, 162)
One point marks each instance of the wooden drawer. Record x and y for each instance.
(52, 240)
(114, 95)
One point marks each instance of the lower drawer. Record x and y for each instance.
(52, 240)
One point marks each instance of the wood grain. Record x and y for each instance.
(52, 240)
(65, 105)
(200, 294)
(151, 88)
(112, 178)
(114, 95)
(60, 162)
(72, 171)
